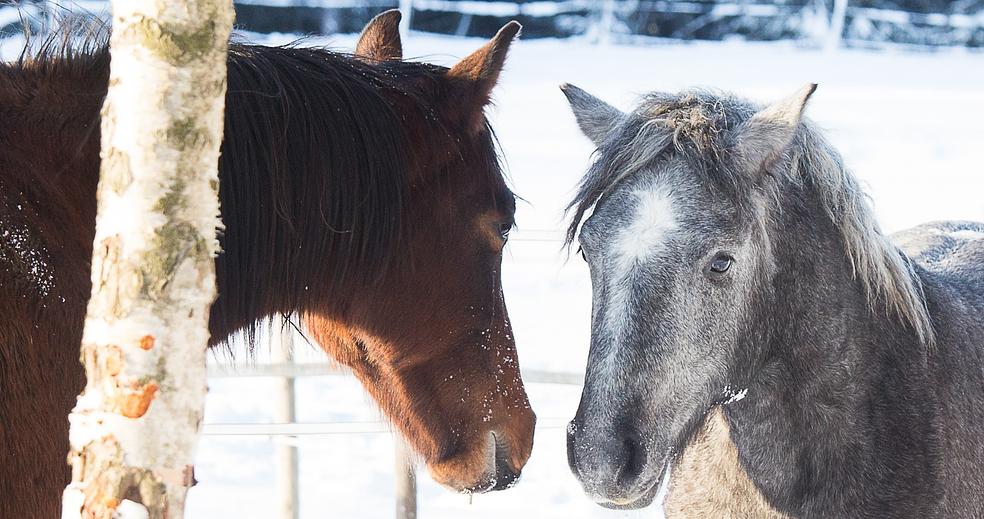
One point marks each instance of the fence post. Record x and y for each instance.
(286, 451)
(836, 31)
(606, 22)
(406, 9)
(406, 481)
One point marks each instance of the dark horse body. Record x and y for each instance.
(757, 343)
(361, 193)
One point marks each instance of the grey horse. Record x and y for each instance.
(758, 345)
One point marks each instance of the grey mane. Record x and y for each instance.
(702, 126)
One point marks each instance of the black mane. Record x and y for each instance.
(320, 164)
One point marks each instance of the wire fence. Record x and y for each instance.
(288, 431)
(821, 23)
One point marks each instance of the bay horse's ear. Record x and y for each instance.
(473, 78)
(767, 133)
(380, 40)
(595, 117)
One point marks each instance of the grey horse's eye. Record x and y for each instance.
(721, 263)
(580, 252)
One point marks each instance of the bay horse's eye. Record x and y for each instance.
(721, 263)
(504, 229)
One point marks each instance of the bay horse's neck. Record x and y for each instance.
(838, 414)
(48, 177)
(314, 170)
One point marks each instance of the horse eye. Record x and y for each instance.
(504, 229)
(721, 263)
(584, 256)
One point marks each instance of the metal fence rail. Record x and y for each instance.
(824, 23)
(286, 428)
(305, 429)
(535, 9)
(292, 370)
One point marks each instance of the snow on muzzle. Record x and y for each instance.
(615, 465)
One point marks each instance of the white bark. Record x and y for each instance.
(135, 427)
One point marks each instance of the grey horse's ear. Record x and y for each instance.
(595, 117)
(767, 133)
(380, 40)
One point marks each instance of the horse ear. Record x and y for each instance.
(767, 133)
(380, 40)
(474, 76)
(595, 117)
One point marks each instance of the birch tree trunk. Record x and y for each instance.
(135, 426)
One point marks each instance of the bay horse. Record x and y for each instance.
(362, 193)
(759, 348)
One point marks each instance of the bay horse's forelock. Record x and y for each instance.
(334, 171)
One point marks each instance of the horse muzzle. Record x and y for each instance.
(616, 469)
(489, 469)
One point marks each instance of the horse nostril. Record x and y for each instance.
(571, 444)
(633, 461)
(505, 475)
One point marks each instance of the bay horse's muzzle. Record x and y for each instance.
(477, 471)
(505, 474)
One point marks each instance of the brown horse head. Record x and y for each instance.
(429, 336)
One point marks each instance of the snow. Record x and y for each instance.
(131, 510)
(909, 125)
(18, 247)
(733, 394)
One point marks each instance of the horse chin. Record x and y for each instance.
(657, 489)
(457, 473)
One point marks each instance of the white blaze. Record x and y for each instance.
(652, 221)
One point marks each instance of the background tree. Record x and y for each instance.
(135, 427)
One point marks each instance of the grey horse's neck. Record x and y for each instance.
(837, 417)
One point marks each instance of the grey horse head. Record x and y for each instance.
(681, 243)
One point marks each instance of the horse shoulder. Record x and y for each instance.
(709, 481)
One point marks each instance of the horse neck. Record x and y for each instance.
(50, 170)
(840, 402)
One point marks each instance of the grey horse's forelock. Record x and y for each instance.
(701, 123)
(615, 162)
(691, 121)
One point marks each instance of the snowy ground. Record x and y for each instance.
(908, 124)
